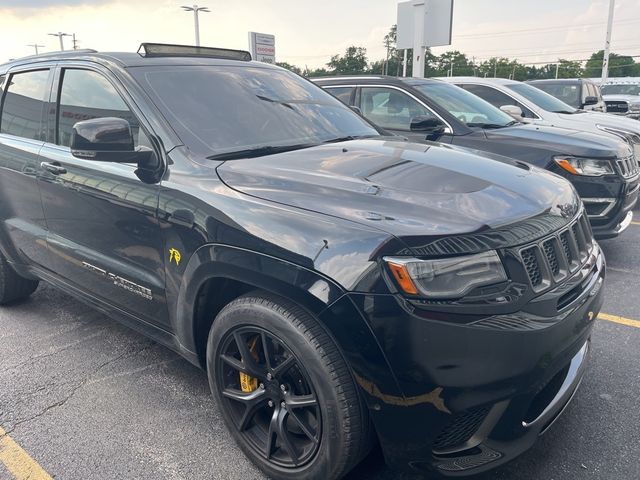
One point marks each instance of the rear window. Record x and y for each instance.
(23, 105)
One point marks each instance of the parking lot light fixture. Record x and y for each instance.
(195, 9)
(60, 35)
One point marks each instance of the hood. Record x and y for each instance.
(404, 189)
(622, 98)
(562, 141)
(593, 119)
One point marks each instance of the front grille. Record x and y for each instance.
(532, 266)
(553, 258)
(628, 166)
(550, 253)
(461, 428)
(614, 106)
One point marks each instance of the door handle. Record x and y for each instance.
(54, 167)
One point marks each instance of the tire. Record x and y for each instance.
(329, 437)
(13, 287)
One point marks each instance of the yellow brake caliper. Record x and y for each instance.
(249, 384)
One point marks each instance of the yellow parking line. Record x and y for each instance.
(618, 319)
(18, 462)
(635, 223)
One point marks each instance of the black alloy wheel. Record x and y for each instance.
(269, 392)
(285, 391)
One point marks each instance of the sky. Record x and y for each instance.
(309, 32)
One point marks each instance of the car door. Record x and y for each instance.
(104, 234)
(23, 228)
(393, 109)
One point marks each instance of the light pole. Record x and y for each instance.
(607, 44)
(60, 35)
(195, 9)
(35, 45)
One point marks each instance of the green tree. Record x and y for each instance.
(318, 72)
(353, 62)
(288, 66)
(502, 67)
(619, 65)
(454, 62)
(569, 69)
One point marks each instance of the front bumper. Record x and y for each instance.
(611, 215)
(477, 395)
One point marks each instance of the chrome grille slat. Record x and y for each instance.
(628, 166)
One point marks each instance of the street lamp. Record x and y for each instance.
(35, 45)
(195, 9)
(60, 35)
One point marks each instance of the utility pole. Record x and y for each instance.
(60, 35)
(607, 44)
(35, 45)
(557, 69)
(196, 24)
(75, 42)
(495, 67)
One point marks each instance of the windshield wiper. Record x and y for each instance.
(565, 111)
(490, 125)
(259, 151)
(349, 137)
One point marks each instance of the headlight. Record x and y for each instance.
(589, 167)
(634, 107)
(448, 277)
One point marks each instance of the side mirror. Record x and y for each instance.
(431, 125)
(590, 101)
(356, 109)
(107, 139)
(513, 110)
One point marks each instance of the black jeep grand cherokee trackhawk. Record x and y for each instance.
(339, 287)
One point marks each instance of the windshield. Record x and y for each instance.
(621, 89)
(540, 98)
(218, 110)
(469, 109)
(569, 94)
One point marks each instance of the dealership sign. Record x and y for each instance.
(262, 47)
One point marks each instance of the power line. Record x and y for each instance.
(542, 29)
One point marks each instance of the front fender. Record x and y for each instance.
(258, 270)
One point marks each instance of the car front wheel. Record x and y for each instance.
(285, 390)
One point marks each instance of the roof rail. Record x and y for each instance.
(169, 50)
(59, 53)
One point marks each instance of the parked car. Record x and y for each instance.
(602, 168)
(580, 93)
(338, 287)
(622, 97)
(531, 105)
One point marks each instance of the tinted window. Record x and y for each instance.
(24, 103)
(223, 109)
(568, 93)
(540, 98)
(497, 98)
(390, 108)
(621, 89)
(468, 108)
(84, 95)
(341, 93)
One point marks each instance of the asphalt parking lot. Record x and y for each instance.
(82, 397)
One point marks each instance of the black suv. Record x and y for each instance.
(338, 287)
(602, 168)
